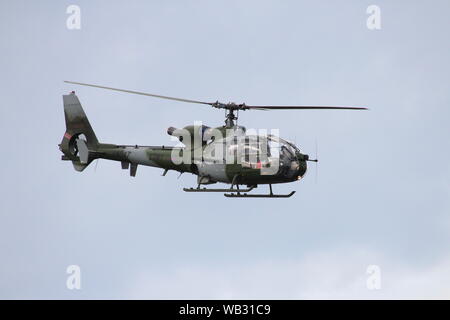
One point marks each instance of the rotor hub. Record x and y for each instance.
(229, 106)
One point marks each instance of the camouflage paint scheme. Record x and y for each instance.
(81, 146)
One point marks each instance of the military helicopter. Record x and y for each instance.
(226, 154)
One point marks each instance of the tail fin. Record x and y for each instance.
(79, 141)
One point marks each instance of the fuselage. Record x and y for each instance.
(228, 154)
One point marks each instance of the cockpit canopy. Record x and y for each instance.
(251, 149)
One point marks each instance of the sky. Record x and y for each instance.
(381, 196)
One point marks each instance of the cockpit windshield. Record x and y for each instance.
(255, 149)
(281, 147)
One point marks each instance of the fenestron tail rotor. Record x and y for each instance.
(231, 106)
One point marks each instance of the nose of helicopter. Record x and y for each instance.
(301, 164)
(301, 169)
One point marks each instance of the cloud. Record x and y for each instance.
(339, 274)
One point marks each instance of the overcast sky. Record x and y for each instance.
(382, 193)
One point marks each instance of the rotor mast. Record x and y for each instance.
(230, 117)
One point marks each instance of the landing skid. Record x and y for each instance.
(217, 190)
(245, 195)
(240, 193)
(231, 189)
(270, 195)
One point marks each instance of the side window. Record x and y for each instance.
(274, 149)
(231, 151)
(246, 154)
(251, 154)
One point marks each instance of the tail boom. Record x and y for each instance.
(81, 146)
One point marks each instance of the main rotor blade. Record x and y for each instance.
(302, 107)
(230, 106)
(140, 93)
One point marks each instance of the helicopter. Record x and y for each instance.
(227, 154)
